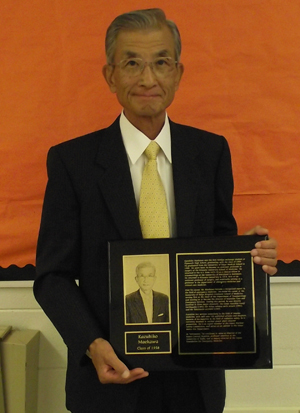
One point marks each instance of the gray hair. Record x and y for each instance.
(144, 265)
(139, 20)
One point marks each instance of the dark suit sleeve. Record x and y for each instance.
(203, 183)
(58, 262)
(225, 223)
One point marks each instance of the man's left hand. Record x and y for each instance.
(265, 252)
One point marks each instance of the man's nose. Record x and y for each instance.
(147, 77)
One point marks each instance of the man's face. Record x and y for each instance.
(146, 278)
(144, 95)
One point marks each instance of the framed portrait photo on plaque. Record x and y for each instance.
(189, 304)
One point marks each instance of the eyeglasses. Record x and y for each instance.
(146, 276)
(160, 66)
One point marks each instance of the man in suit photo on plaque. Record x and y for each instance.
(144, 176)
(146, 305)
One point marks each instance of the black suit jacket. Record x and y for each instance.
(88, 195)
(135, 309)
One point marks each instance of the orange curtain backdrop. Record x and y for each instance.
(241, 80)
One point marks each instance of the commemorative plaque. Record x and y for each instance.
(189, 304)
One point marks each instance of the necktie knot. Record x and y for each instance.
(152, 150)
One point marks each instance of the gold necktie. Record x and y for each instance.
(153, 208)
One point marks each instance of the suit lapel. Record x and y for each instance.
(115, 183)
(187, 180)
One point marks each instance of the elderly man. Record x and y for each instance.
(96, 193)
(145, 305)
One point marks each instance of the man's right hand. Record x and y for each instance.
(109, 367)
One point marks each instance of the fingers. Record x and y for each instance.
(268, 264)
(135, 374)
(110, 369)
(267, 244)
(111, 376)
(265, 254)
(265, 249)
(258, 230)
(118, 373)
(269, 270)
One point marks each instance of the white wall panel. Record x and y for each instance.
(52, 391)
(286, 335)
(264, 388)
(263, 391)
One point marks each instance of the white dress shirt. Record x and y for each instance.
(135, 144)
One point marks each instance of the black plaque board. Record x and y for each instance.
(213, 304)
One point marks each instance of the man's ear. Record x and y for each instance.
(180, 70)
(108, 73)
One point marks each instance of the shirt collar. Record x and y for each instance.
(136, 142)
(146, 296)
